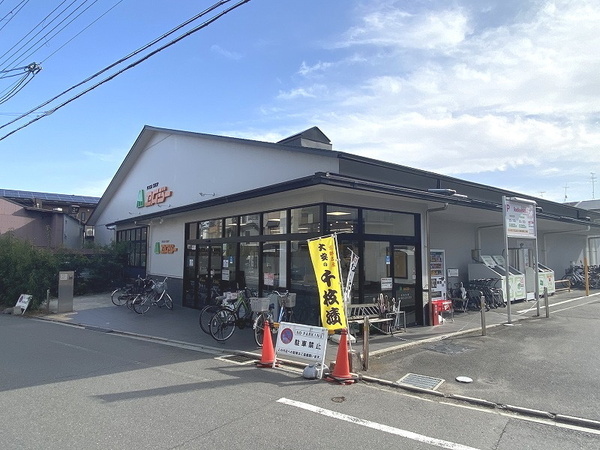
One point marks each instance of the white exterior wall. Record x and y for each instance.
(457, 239)
(558, 251)
(190, 165)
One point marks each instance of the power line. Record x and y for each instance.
(188, 33)
(12, 13)
(84, 29)
(44, 39)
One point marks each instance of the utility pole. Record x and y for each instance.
(566, 187)
(593, 184)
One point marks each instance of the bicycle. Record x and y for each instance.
(155, 294)
(208, 311)
(126, 294)
(286, 301)
(236, 314)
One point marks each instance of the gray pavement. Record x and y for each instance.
(548, 367)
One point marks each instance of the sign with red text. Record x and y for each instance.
(520, 219)
(153, 195)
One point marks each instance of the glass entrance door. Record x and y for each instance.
(203, 274)
(405, 281)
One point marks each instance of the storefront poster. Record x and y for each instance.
(324, 256)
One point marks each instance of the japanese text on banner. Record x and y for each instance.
(323, 253)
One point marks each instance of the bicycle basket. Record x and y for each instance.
(289, 301)
(259, 304)
(160, 287)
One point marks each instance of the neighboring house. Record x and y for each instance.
(46, 220)
(215, 213)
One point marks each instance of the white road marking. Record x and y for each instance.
(376, 426)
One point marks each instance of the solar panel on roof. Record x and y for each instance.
(66, 198)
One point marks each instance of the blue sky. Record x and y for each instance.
(500, 92)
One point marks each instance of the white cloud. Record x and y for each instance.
(391, 26)
(430, 92)
(226, 53)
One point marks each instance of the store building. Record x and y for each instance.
(216, 213)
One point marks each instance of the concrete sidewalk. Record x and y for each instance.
(546, 368)
(181, 325)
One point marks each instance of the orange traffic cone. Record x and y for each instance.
(267, 358)
(341, 371)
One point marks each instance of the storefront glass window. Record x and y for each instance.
(275, 222)
(192, 230)
(229, 269)
(341, 219)
(274, 257)
(136, 241)
(231, 226)
(249, 265)
(211, 229)
(250, 225)
(388, 223)
(377, 265)
(306, 220)
(303, 284)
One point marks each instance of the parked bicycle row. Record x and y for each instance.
(243, 309)
(142, 294)
(469, 298)
(576, 276)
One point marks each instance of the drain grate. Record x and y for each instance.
(237, 359)
(421, 381)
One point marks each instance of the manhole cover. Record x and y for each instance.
(237, 359)
(421, 381)
(448, 348)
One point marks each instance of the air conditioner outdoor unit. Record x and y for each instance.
(89, 231)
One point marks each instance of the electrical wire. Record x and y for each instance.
(31, 31)
(84, 29)
(30, 71)
(188, 33)
(14, 14)
(16, 56)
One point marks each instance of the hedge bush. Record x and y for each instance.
(25, 269)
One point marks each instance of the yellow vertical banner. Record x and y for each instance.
(324, 257)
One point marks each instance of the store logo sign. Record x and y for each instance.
(152, 196)
(164, 248)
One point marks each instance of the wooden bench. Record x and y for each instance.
(357, 313)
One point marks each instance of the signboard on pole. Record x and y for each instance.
(519, 218)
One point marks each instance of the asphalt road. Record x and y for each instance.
(547, 364)
(66, 387)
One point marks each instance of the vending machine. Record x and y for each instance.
(437, 269)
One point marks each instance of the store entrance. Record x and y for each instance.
(393, 269)
(203, 274)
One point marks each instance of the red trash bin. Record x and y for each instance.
(435, 313)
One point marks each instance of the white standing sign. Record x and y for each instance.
(304, 342)
(23, 302)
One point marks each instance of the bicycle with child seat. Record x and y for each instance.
(155, 294)
(235, 314)
(286, 302)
